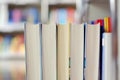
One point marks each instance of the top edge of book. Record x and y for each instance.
(63, 24)
(92, 25)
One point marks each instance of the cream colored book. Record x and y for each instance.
(77, 51)
(63, 34)
(92, 51)
(33, 51)
(49, 51)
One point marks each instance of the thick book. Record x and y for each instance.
(77, 51)
(92, 45)
(49, 51)
(63, 51)
(33, 51)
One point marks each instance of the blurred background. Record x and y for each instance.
(14, 13)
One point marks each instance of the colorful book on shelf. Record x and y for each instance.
(106, 24)
(32, 15)
(70, 15)
(61, 16)
(17, 15)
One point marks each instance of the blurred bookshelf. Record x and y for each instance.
(14, 13)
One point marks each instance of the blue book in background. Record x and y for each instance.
(92, 22)
(6, 43)
(33, 13)
(62, 16)
(10, 16)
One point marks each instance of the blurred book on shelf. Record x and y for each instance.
(62, 15)
(18, 15)
(12, 70)
(12, 45)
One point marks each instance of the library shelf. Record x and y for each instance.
(13, 27)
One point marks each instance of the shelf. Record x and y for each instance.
(16, 27)
(62, 2)
(12, 64)
(20, 2)
(12, 57)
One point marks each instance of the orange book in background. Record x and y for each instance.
(70, 15)
(105, 24)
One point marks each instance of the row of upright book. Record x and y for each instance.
(69, 51)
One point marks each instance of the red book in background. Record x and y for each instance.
(70, 15)
(101, 21)
(109, 24)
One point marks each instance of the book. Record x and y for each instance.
(101, 22)
(107, 57)
(106, 24)
(3, 14)
(63, 51)
(70, 15)
(53, 15)
(92, 46)
(33, 51)
(61, 16)
(49, 65)
(16, 15)
(77, 51)
(32, 15)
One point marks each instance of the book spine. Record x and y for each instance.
(77, 51)
(49, 51)
(33, 52)
(63, 51)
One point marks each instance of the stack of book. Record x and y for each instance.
(69, 51)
